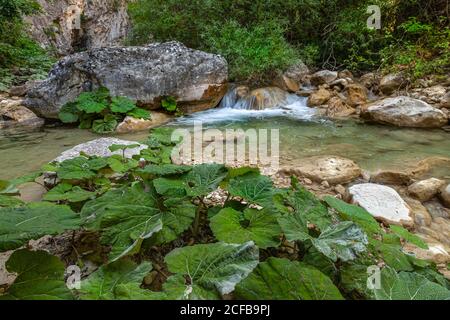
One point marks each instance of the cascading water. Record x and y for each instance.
(240, 105)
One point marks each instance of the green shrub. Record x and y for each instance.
(97, 110)
(21, 59)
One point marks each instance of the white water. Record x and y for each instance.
(231, 110)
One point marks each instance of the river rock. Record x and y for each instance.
(444, 195)
(436, 252)
(445, 101)
(426, 189)
(405, 112)
(369, 80)
(318, 98)
(67, 26)
(382, 202)
(292, 79)
(337, 108)
(356, 95)
(392, 82)
(335, 170)
(323, 77)
(130, 124)
(198, 80)
(14, 114)
(421, 215)
(391, 177)
(267, 98)
(100, 148)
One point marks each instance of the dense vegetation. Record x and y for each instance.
(259, 37)
(21, 59)
(150, 219)
(98, 111)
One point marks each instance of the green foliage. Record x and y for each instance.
(18, 225)
(169, 104)
(21, 59)
(260, 37)
(281, 279)
(97, 110)
(151, 208)
(40, 276)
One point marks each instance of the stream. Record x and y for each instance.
(302, 134)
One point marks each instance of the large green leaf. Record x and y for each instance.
(233, 226)
(67, 192)
(405, 234)
(392, 255)
(281, 279)
(10, 202)
(408, 286)
(354, 278)
(118, 280)
(79, 168)
(18, 225)
(140, 113)
(211, 270)
(343, 241)
(354, 213)
(40, 276)
(163, 170)
(204, 178)
(93, 102)
(69, 113)
(254, 189)
(307, 209)
(106, 125)
(122, 105)
(129, 215)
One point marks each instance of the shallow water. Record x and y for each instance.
(302, 134)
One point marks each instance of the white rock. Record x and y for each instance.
(382, 202)
(100, 148)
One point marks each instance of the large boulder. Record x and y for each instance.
(198, 80)
(405, 112)
(335, 170)
(382, 202)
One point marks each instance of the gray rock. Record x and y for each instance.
(405, 112)
(322, 77)
(13, 114)
(100, 148)
(426, 189)
(198, 80)
(391, 83)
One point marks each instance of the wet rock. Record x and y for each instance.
(426, 189)
(369, 80)
(392, 82)
(391, 177)
(405, 112)
(267, 98)
(100, 148)
(382, 202)
(337, 108)
(356, 95)
(198, 80)
(335, 170)
(130, 124)
(444, 195)
(323, 77)
(14, 114)
(318, 98)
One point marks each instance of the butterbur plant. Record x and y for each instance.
(98, 111)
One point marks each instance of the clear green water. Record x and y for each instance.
(372, 147)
